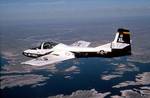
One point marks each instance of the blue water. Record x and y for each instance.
(3, 61)
(88, 78)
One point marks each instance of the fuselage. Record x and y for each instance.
(104, 51)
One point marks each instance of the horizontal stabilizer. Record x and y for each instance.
(81, 43)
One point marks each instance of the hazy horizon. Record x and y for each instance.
(70, 10)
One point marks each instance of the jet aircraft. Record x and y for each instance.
(52, 52)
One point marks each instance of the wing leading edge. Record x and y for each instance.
(54, 57)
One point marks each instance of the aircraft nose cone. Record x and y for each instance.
(29, 54)
(24, 53)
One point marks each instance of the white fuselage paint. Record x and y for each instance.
(63, 47)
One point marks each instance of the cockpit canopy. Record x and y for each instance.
(46, 45)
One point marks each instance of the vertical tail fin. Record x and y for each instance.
(122, 44)
(122, 36)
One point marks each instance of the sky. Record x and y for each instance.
(22, 10)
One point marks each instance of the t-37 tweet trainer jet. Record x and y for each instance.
(51, 52)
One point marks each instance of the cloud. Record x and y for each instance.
(141, 79)
(109, 77)
(131, 94)
(39, 84)
(20, 80)
(68, 77)
(83, 94)
(11, 69)
(72, 69)
(119, 70)
(122, 68)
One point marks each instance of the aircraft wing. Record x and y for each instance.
(81, 43)
(54, 57)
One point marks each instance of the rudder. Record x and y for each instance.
(123, 36)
